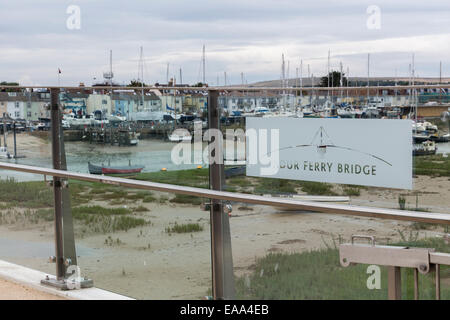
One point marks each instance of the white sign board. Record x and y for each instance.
(370, 152)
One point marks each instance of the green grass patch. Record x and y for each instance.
(317, 188)
(274, 186)
(192, 177)
(116, 194)
(98, 219)
(140, 209)
(435, 165)
(148, 199)
(186, 199)
(98, 210)
(45, 214)
(351, 191)
(184, 228)
(319, 275)
(124, 223)
(239, 182)
(163, 199)
(118, 202)
(138, 195)
(30, 194)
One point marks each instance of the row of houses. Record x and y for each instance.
(246, 101)
(32, 106)
(28, 106)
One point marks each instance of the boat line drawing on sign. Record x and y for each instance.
(326, 142)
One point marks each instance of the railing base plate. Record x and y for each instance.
(67, 284)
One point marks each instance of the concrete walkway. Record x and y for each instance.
(14, 291)
(22, 283)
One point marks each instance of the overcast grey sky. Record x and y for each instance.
(246, 36)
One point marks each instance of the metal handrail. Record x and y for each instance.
(384, 213)
(421, 260)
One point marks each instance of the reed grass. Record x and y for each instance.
(318, 275)
(186, 199)
(184, 228)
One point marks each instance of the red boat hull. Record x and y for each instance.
(120, 171)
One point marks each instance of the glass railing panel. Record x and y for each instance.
(142, 244)
(294, 254)
(27, 231)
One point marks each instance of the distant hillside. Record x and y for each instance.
(353, 80)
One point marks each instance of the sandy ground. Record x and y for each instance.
(431, 193)
(149, 263)
(33, 146)
(26, 144)
(14, 291)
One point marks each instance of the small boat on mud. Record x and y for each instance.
(4, 153)
(426, 148)
(443, 138)
(180, 136)
(94, 169)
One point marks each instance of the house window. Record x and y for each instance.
(28, 105)
(29, 114)
(104, 102)
(17, 104)
(17, 114)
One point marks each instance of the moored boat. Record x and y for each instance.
(4, 153)
(180, 135)
(424, 149)
(443, 138)
(95, 169)
(121, 170)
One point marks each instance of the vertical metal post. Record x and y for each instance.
(416, 284)
(438, 282)
(221, 254)
(57, 185)
(14, 134)
(5, 130)
(394, 283)
(409, 284)
(68, 232)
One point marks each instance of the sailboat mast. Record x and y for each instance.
(301, 78)
(440, 81)
(175, 103)
(395, 84)
(328, 75)
(142, 75)
(414, 90)
(368, 78)
(310, 93)
(348, 82)
(340, 82)
(287, 86)
(296, 86)
(110, 71)
(167, 73)
(204, 63)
